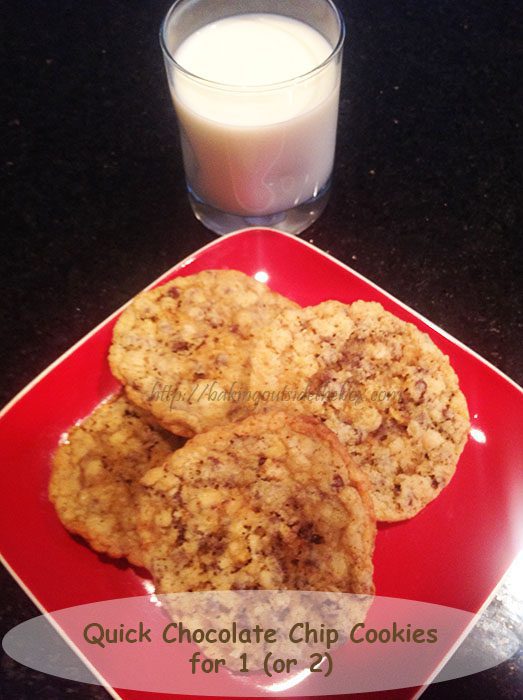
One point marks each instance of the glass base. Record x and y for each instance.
(293, 220)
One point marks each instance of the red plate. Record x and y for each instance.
(453, 553)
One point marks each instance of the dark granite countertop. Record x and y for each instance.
(423, 201)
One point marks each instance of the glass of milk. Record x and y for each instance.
(255, 86)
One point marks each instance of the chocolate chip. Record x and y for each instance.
(212, 543)
(397, 488)
(358, 438)
(319, 381)
(262, 460)
(306, 532)
(421, 388)
(173, 292)
(351, 359)
(179, 345)
(181, 534)
(337, 483)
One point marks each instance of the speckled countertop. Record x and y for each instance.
(423, 201)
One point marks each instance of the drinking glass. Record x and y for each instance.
(256, 154)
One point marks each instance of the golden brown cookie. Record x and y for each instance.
(183, 350)
(96, 470)
(273, 502)
(380, 384)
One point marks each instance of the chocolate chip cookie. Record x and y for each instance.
(182, 350)
(272, 502)
(96, 470)
(380, 384)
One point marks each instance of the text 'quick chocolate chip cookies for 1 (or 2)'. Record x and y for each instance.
(326, 418)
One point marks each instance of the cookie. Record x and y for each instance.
(380, 384)
(272, 502)
(96, 470)
(182, 350)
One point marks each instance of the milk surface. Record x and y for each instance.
(254, 144)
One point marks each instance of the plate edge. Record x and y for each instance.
(189, 258)
(429, 323)
(36, 602)
(182, 263)
(468, 629)
(185, 261)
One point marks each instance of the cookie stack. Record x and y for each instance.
(303, 427)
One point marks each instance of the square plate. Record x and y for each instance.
(453, 553)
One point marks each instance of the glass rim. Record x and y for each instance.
(252, 88)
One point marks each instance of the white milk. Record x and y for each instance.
(250, 149)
